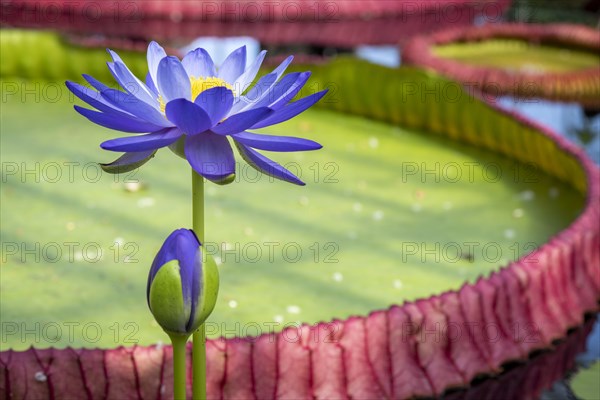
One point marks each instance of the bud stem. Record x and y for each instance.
(199, 337)
(179, 369)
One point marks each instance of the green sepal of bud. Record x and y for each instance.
(166, 299)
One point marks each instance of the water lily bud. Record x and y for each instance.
(182, 285)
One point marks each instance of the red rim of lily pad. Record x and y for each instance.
(581, 86)
(343, 23)
(143, 372)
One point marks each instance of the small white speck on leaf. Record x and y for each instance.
(133, 186)
(303, 201)
(527, 195)
(378, 215)
(293, 309)
(145, 202)
(373, 142)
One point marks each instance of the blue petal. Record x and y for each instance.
(181, 245)
(233, 66)
(211, 156)
(96, 84)
(216, 102)
(198, 63)
(290, 110)
(129, 81)
(187, 249)
(266, 166)
(173, 81)
(171, 250)
(276, 91)
(115, 56)
(275, 143)
(282, 67)
(291, 91)
(92, 97)
(150, 141)
(151, 85)
(128, 162)
(242, 83)
(242, 121)
(165, 254)
(136, 107)
(254, 94)
(192, 280)
(262, 87)
(117, 122)
(154, 55)
(189, 117)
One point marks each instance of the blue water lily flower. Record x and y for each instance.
(183, 284)
(192, 107)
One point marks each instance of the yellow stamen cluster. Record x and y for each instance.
(199, 85)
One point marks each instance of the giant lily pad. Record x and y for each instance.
(377, 226)
(556, 61)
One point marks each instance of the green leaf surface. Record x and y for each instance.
(519, 55)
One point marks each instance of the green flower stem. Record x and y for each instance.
(179, 370)
(198, 205)
(199, 338)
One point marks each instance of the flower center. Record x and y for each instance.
(199, 85)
